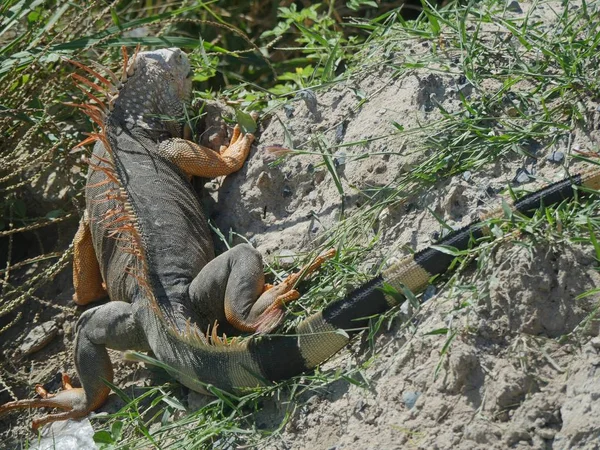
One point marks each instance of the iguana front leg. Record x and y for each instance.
(87, 278)
(196, 160)
(108, 326)
(232, 288)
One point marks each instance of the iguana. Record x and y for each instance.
(145, 240)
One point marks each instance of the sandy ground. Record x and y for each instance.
(500, 378)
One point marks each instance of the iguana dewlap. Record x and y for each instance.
(144, 237)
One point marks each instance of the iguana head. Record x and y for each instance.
(153, 94)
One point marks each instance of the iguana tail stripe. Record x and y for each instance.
(551, 194)
(318, 337)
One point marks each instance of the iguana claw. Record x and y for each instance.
(276, 296)
(70, 399)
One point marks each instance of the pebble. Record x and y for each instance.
(39, 337)
(340, 132)
(556, 157)
(596, 342)
(430, 291)
(522, 176)
(466, 175)
(289, 111)
(514, 6)
(410, 398)
(310, 99)
(286, 258)
(339, 159)
(406, 308)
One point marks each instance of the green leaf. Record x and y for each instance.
(103, 437)
(354, 5)
(246, 121)
(336, 177)
(55, 213)
(391, 291)
(329, 68)
(115, 17)
(448, 250)
(436, 332)
(508, 212)
(174, 403)
(116, 429)
(433, 22)
(398, 126)
(315, 36)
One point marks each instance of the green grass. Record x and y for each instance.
(529, 86)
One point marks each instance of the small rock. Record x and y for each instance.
(289, 111)
(286, 258)
(406, 308)
(546, 433)
(360, 405)
(38, 338)
(287, 192)
(466, 175)
(310, 100)
(340, 132)
(514, 6)
(596, 342)
(263, 180)
(522, 176)
(410, 398)
(319, 176)
(518, 435)
(430, 291)
(339, 159)
(556, 157)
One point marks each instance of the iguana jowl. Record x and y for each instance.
(144, 237)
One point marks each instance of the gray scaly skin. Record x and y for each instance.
(155, 255)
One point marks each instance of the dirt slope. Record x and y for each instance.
(502, 358)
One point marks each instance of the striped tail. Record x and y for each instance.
(323, 334)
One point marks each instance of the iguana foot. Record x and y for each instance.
(274, 297)
(196, 160)
(71, 399)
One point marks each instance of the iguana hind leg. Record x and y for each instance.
(196, 160)
(107, 326)
(87, 278)
(231, 287)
